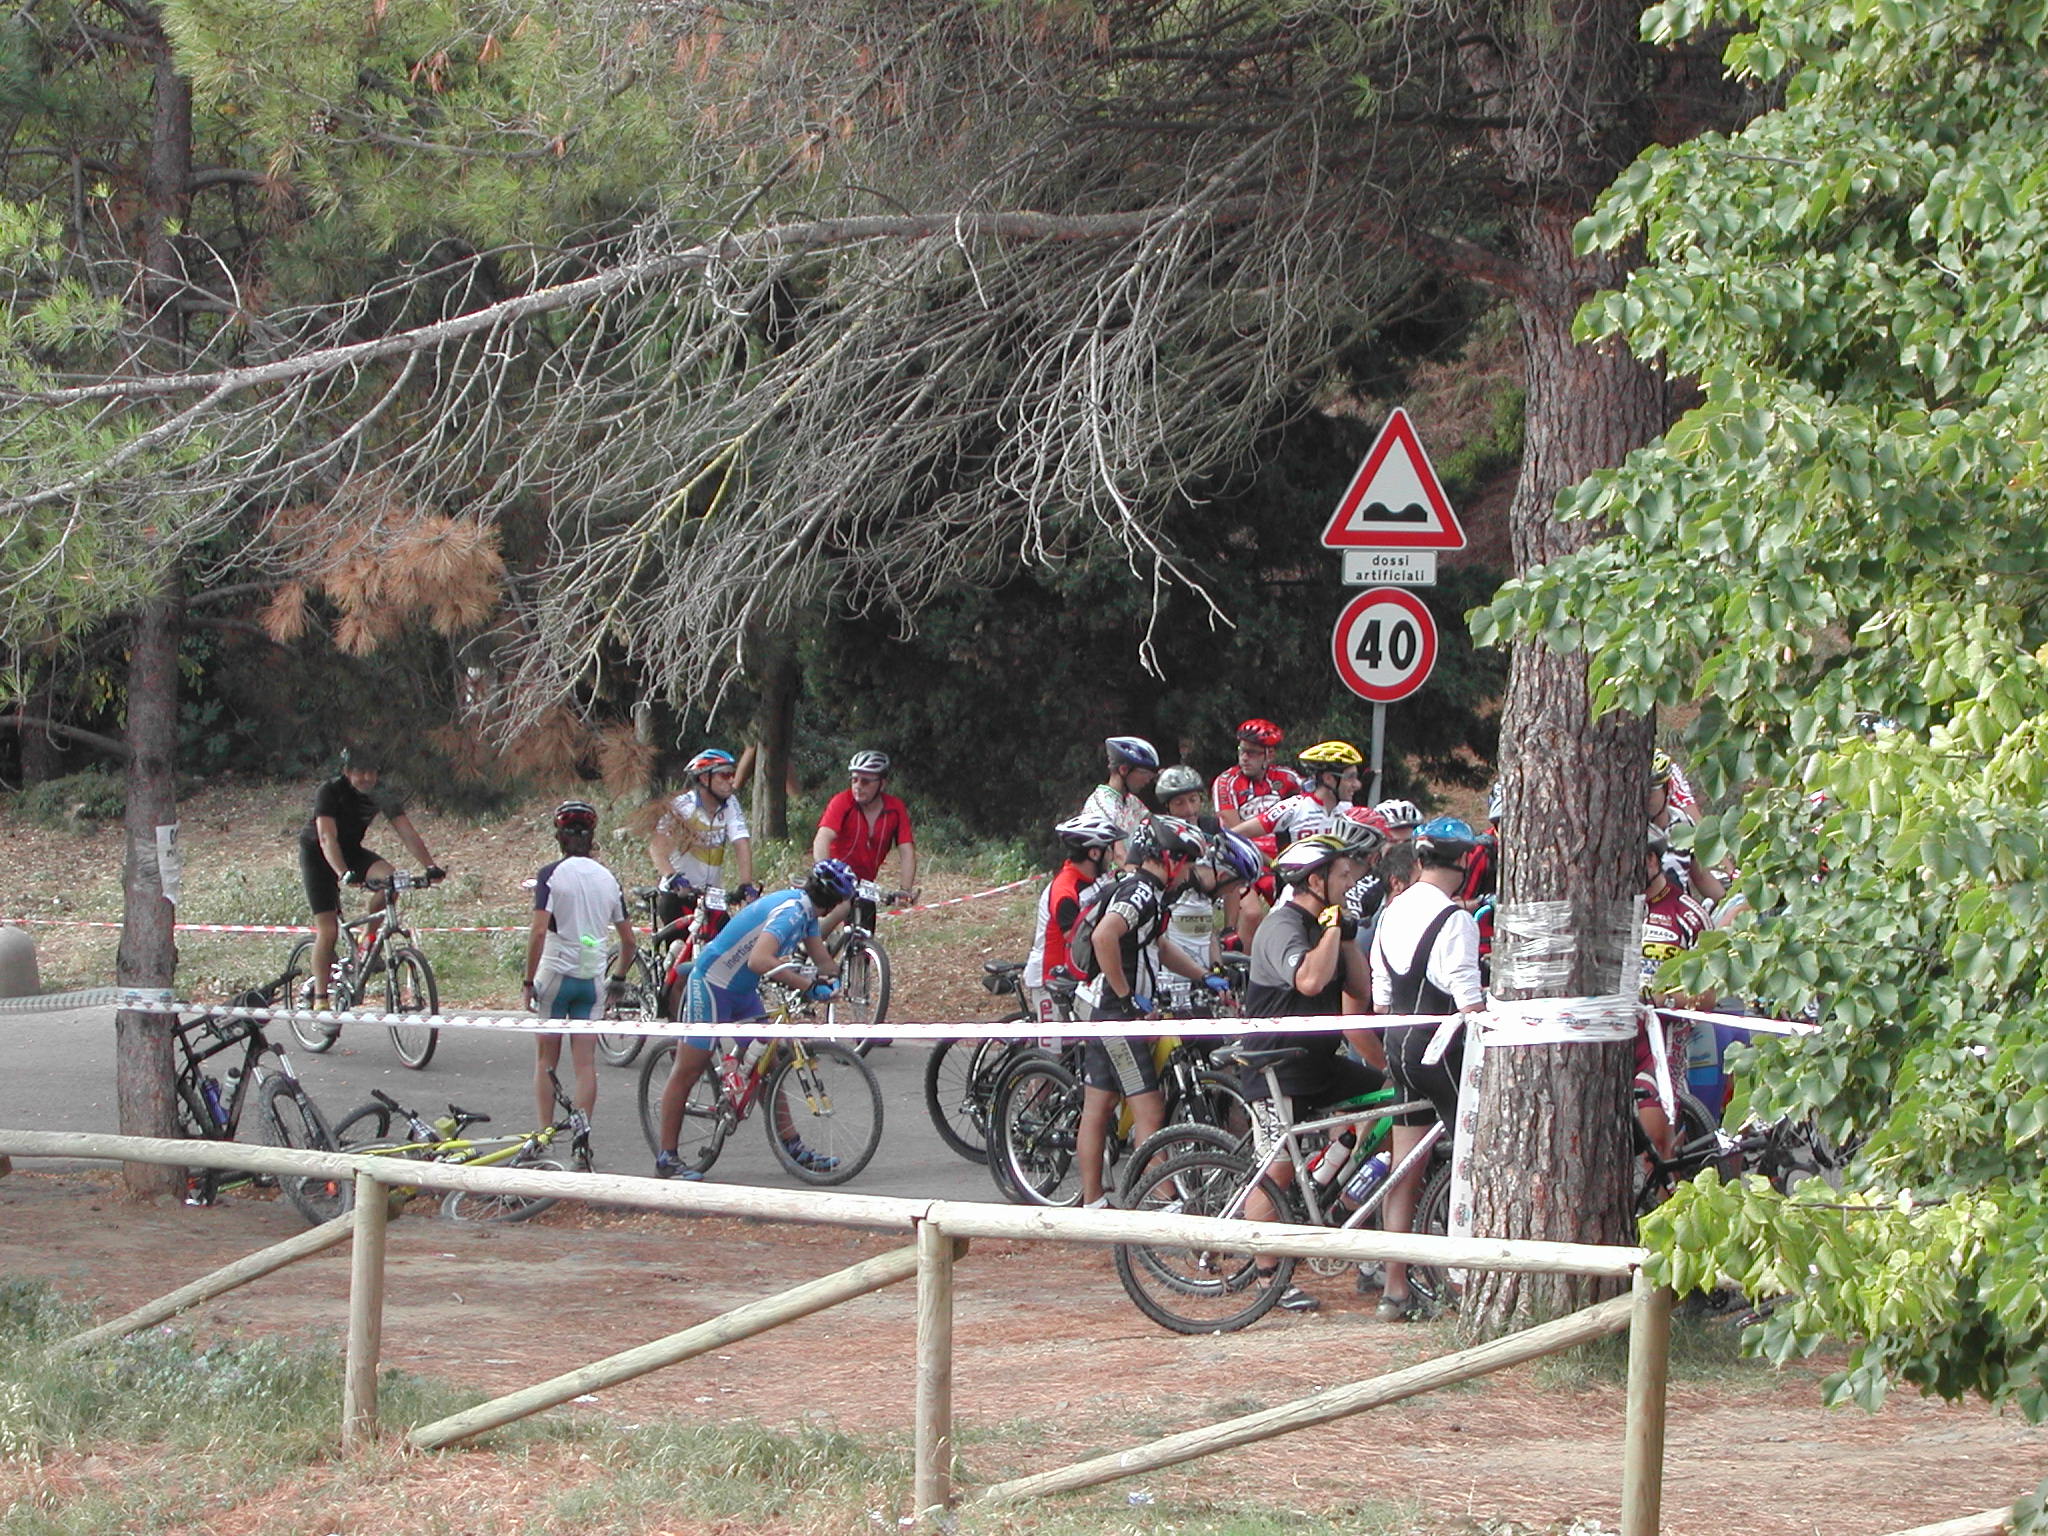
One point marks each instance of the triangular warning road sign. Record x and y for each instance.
(1394, 501)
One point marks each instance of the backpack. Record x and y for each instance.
(1081, 940)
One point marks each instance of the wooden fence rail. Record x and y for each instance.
(940, 1230)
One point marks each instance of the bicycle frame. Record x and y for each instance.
(1273, 1137)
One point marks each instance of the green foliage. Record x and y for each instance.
(1840, 552)
(92, 794)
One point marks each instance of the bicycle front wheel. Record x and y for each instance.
(959, 1084)
(409, 988)
(824, 1112)
(295, 1121)
(863, 1000)
(704, 1129)
(472, 1205)
(1035, 1132)
(1431, 1283)
(1201, 1290)
(640, 1001)
(296, 994)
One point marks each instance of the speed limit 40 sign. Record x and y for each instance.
(1384, 644)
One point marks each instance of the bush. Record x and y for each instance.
(91, 795)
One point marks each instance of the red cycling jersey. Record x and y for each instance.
(863, 844)
(1239, 797)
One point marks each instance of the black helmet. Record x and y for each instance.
(1167, 837)
(575, 816)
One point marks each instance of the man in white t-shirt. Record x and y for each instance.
(577, 909)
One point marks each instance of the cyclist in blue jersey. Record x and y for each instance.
(725, 980)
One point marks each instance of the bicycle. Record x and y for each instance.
(640, 1002)
(210, 1108)
(389, 951)
(863, 999)
(824, 1120)
(1193, 1170)
(367, 1131)
(961, 1076)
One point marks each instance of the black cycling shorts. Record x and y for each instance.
(1438, 1084)
(323, 885)
(1121, 1064)
(1315, 1086)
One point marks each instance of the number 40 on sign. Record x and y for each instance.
(1384, 644)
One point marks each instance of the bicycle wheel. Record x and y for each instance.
(1171, 1141)
(293, 1120)
(863, 1000)
(705, 1121)
(959, 1083)
(640, 1000)
(1696, 1146)
(409, 988)
(472, 1205)
(1431, 1283)
(296, 993)
(823, 1111)
(1035, 1132)
(1201, 1290)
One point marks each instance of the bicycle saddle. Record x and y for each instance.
(1002, 967)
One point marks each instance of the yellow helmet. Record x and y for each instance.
(1332, 754)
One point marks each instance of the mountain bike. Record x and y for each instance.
(373, 945)
(210, 1108)
(961, 1076)
(640, 1002)
(1193, 1170)
(386, 1128)
(824, 1118)
(863, 1000)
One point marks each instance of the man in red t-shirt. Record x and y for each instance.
(864, 824)
(1255, 784)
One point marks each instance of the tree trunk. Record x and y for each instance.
(38, 747)
(1552, 1144)
(144, 1069)
(776, 731)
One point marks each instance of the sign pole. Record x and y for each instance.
(1379, 744)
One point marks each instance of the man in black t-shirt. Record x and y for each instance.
(331, 850)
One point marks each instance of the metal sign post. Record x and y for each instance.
(1379, 747)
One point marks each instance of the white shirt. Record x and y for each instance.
(1453, 960)
(1126, 810)
(583, 901)
(700, 826)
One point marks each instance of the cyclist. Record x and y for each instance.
(1133, 764)
(1425, 960)
(863, 824)
(1256, 784)
(576, 904)
(1672, 804)
(1305, 962)
(1402, 818)
(331, 851)
(696, 831)
(1672, 923)
(1191, 922)
(1167, 854)
(725, 985)
(1087, 840)
(1330, 777)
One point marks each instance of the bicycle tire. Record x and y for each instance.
(1035, 1133)
(409, 988)
(862, 1002)
(705, 1120)
(1201, 1290)
(640, 1001)
(832, 1104)
(1695, 1130)
(294, 1120)
(474, 1205)
(1170, 1141)
(959, 1083)
(296, 993)
(1431, 1283)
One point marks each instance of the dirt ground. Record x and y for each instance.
(1052, 1363)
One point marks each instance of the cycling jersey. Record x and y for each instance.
(1672, 924)
(1140, 899)
(1285, 939)
(701, 826)
(1059, 906)
(353, 811)
(722, 963)
(1108, 802)
(584, 907)
(862, 843)
(1293, 819)
(1238, 796)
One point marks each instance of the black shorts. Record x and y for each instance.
(1313, 1086)
(1120, 1064)
(1438, 1084)
(323, 885)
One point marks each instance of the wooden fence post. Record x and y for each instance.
(365, 1315)
(932, 1487)
(1649, 1367)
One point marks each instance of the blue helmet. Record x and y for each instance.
(1443, 840)
(1131, 752)
(1236, 856)
(831, 882)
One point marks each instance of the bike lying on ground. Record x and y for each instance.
(377, 944)
(210, 1108)
(386, 1128)
(824, 1119)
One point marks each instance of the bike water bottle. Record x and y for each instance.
(1330, 1161)
(233, 1082)
(1367, 1179)
(209, 1090)
(735, 1077)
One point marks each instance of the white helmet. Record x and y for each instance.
(876, 763)
(1400, 814)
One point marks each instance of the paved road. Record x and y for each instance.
(61, 1078)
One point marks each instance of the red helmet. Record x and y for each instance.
(1262, 733)
(1365, 816)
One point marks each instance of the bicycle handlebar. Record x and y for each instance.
(405, 880)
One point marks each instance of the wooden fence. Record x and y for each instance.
(938, 1234)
